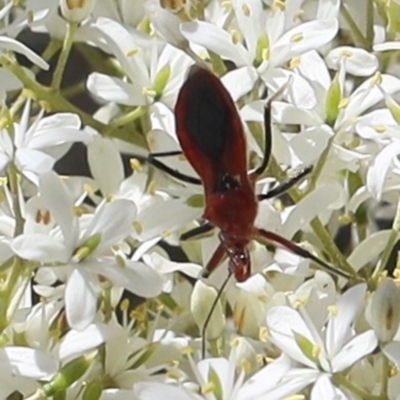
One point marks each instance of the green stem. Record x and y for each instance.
(385, 376)
(63, 58)
(52, 47)
(317, 169)
(362, 394)
(12, 175)
(129, 117)
(55, 102)
(369, 32)
(394, 234)
(359, 38)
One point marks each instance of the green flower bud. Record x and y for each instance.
(196, 201)
(332, 100)
(68, 374)
(87, 247)
(262, 50)
(161, 80)
(93, 390)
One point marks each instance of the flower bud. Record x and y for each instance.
(384, 310)
(202, 299)
(68, 374)
(161, 80)
(332, 101)
(93, 390)
(76, 10)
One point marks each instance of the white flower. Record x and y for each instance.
(154, 72)
(76, 10)
(80, 244)
(35, 149)
(334, 349)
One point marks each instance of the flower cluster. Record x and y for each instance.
(100, 296)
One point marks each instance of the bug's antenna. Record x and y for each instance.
(267, 130)
(208, 319)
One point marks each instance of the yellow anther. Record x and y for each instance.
(137, 226)
(226, 4)
(246, 10)
(135, 165)
(124, 305)
(376, 79)
(345, 219)
(187, 350)
(294, 62)
(263, 334)
(346, 53)
(121, 262)
(234, 342)
(380, 129)
(208, 388)
(131, 52)
(88, 189)
(279, 4)
(343, 103)
(297, 38)
(333, 310)
(235, 36)
(149, 92)
(174, 374)
(246, 366)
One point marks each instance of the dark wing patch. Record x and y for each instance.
(206, 119)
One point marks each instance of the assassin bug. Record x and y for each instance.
(211, 135)
(212, 138)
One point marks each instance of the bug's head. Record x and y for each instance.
(239, 262)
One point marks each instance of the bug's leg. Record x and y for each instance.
(268, 132)
(267, 142)
(199, 230)
(152, 159)
(215, 260)
(285, 186)
(210, 313)
(296, 249)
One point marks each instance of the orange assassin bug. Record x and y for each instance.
(212, 139)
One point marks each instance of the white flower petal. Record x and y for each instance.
(379, 169)
(359, 347)
(265, 379)
(215, 39)
(7, 43)
(40, 248)
(392, 351)
(340, 322)
(324, 197)
(33, 160)
(116, 90)
(76, 343)
(117, 394)
(105, 164)
(113, 221)
(387, 46)
(136, 277)
(27, 362)
(80, 300)
(324, 389)
(358, 62)
(369, 249)
(155, 390)
(302, 38)
(240, 81)
(59, 202)
(283, 323)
